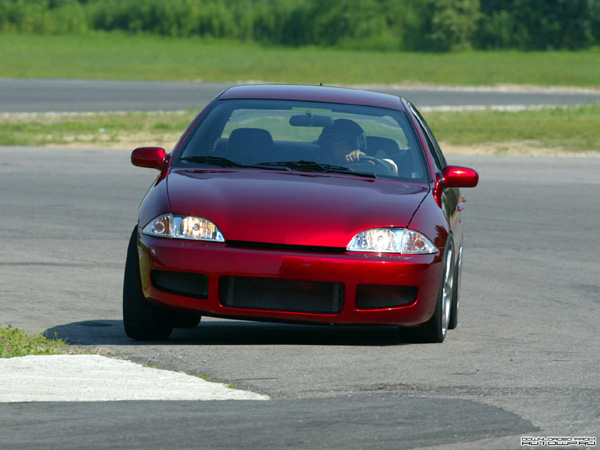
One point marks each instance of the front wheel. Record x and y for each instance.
(141, 319)
(455, 293)
(435, 330)
(186, 320)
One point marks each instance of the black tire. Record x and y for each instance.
(455, 294)
(435, 330)
(186, 320)
(142, 320)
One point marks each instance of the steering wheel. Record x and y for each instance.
(367, 162)
(377, 161)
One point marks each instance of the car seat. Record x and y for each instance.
(250, 146)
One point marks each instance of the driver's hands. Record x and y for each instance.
(354, 156)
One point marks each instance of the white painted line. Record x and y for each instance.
(95, 378)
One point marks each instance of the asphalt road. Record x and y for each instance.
(27, 96)
(522, 362)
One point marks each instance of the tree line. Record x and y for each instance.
(385, 25)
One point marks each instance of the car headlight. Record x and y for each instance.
(183, 227)
(392, 240)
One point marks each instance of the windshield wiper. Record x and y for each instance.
(212, 160)
(222, 162)
(303, 166)
(312, 166)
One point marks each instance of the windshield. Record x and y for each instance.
(305, 136)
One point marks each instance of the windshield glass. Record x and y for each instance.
(305, 136)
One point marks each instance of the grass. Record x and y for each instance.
(209, 379)
(572, 129)
(95, 129)
(14, 342)
(144, 57)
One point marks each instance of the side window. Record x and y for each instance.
(438, 156)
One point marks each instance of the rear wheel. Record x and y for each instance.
(141, 319)
(436, 328)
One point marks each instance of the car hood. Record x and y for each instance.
(292, 208)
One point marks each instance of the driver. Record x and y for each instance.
(346, 142)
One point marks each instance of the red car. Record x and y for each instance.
(303, 204)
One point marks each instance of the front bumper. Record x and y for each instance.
(353, 277)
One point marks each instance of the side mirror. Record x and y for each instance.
(459, 177)
(152, 157)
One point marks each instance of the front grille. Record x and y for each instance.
(371, 296)
(181, 283)
(286, 247)
(281, 295)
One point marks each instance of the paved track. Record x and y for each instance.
(523, 362)
(26, 96)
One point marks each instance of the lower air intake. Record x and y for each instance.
(281, 295)
(371, 296)
(181, 283)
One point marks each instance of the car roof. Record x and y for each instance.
(313, 93)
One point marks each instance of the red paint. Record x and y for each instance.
(459, 177)
(311, 216)
(151, 157)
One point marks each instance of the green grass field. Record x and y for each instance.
(95, 129)
(143, 57)
(573, 129)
